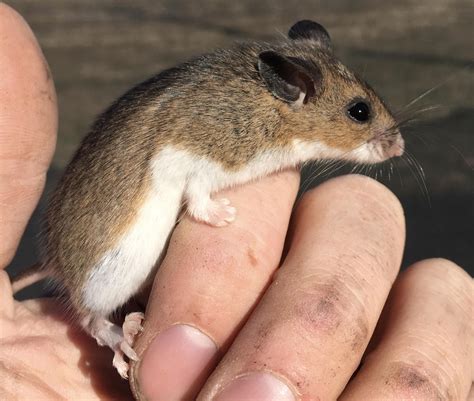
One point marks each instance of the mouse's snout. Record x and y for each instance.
(387, 146)
(395, 146)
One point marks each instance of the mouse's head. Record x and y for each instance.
(332, 113)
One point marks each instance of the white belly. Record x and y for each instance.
(123, 270)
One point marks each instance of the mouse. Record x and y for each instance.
(169, 144)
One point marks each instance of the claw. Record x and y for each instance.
(128, 350)
(119, 340)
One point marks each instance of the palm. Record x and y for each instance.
(50, 356)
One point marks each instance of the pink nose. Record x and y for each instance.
(397, 148)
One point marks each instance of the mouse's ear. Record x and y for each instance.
(285, 79)
(310, 30)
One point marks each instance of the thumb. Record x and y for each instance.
(28, 125)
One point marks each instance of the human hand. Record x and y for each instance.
(301, 334)
(309, 327)
(42, 355)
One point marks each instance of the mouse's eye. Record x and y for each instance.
(359, 112)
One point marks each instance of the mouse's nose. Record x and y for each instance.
(397, 147)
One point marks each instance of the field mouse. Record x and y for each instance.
(219, 120)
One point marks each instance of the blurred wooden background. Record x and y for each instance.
(97, 49)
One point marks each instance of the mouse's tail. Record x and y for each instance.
(29, 276)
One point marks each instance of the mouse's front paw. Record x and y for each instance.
(217, 213)
(222, 214)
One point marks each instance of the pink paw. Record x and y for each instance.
(119, 363)
(220, 213)
(132, 326)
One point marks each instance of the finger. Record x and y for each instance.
(209, 281)
(6, 298)
(425, 348)
(28, 123)
(307, 335)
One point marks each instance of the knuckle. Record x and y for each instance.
(416, 381)
(327, 308)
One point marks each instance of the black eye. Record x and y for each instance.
(359, 112)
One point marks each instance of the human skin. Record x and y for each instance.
(226, 323)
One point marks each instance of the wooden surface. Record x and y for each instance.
(97, 49)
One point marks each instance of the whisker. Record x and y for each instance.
(364, 169)
(390, 171)
(308, 180)
(369, 168)
(462, 156)
(334, 167)
(432, 89)
(418, 136)
(358, 168)
(418, 174)
(323, 165)
(325, 168)
(424, 94)
(414, 113)
(416, 162)
(399, 175)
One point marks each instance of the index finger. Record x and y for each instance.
(28, 124)
(208, 283)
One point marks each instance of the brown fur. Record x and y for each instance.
(216, 106)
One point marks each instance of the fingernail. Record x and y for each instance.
(176, 364)
(256, 387)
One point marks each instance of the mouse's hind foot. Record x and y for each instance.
(118, 339)
(132, 326)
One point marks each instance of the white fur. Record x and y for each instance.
(366, 153)
(177, 173)
(122, 270)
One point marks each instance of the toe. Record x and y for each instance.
(128, 350)
(232, 211)
(222, 223)
(135, 316)
(120, 365)
(132, 326)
